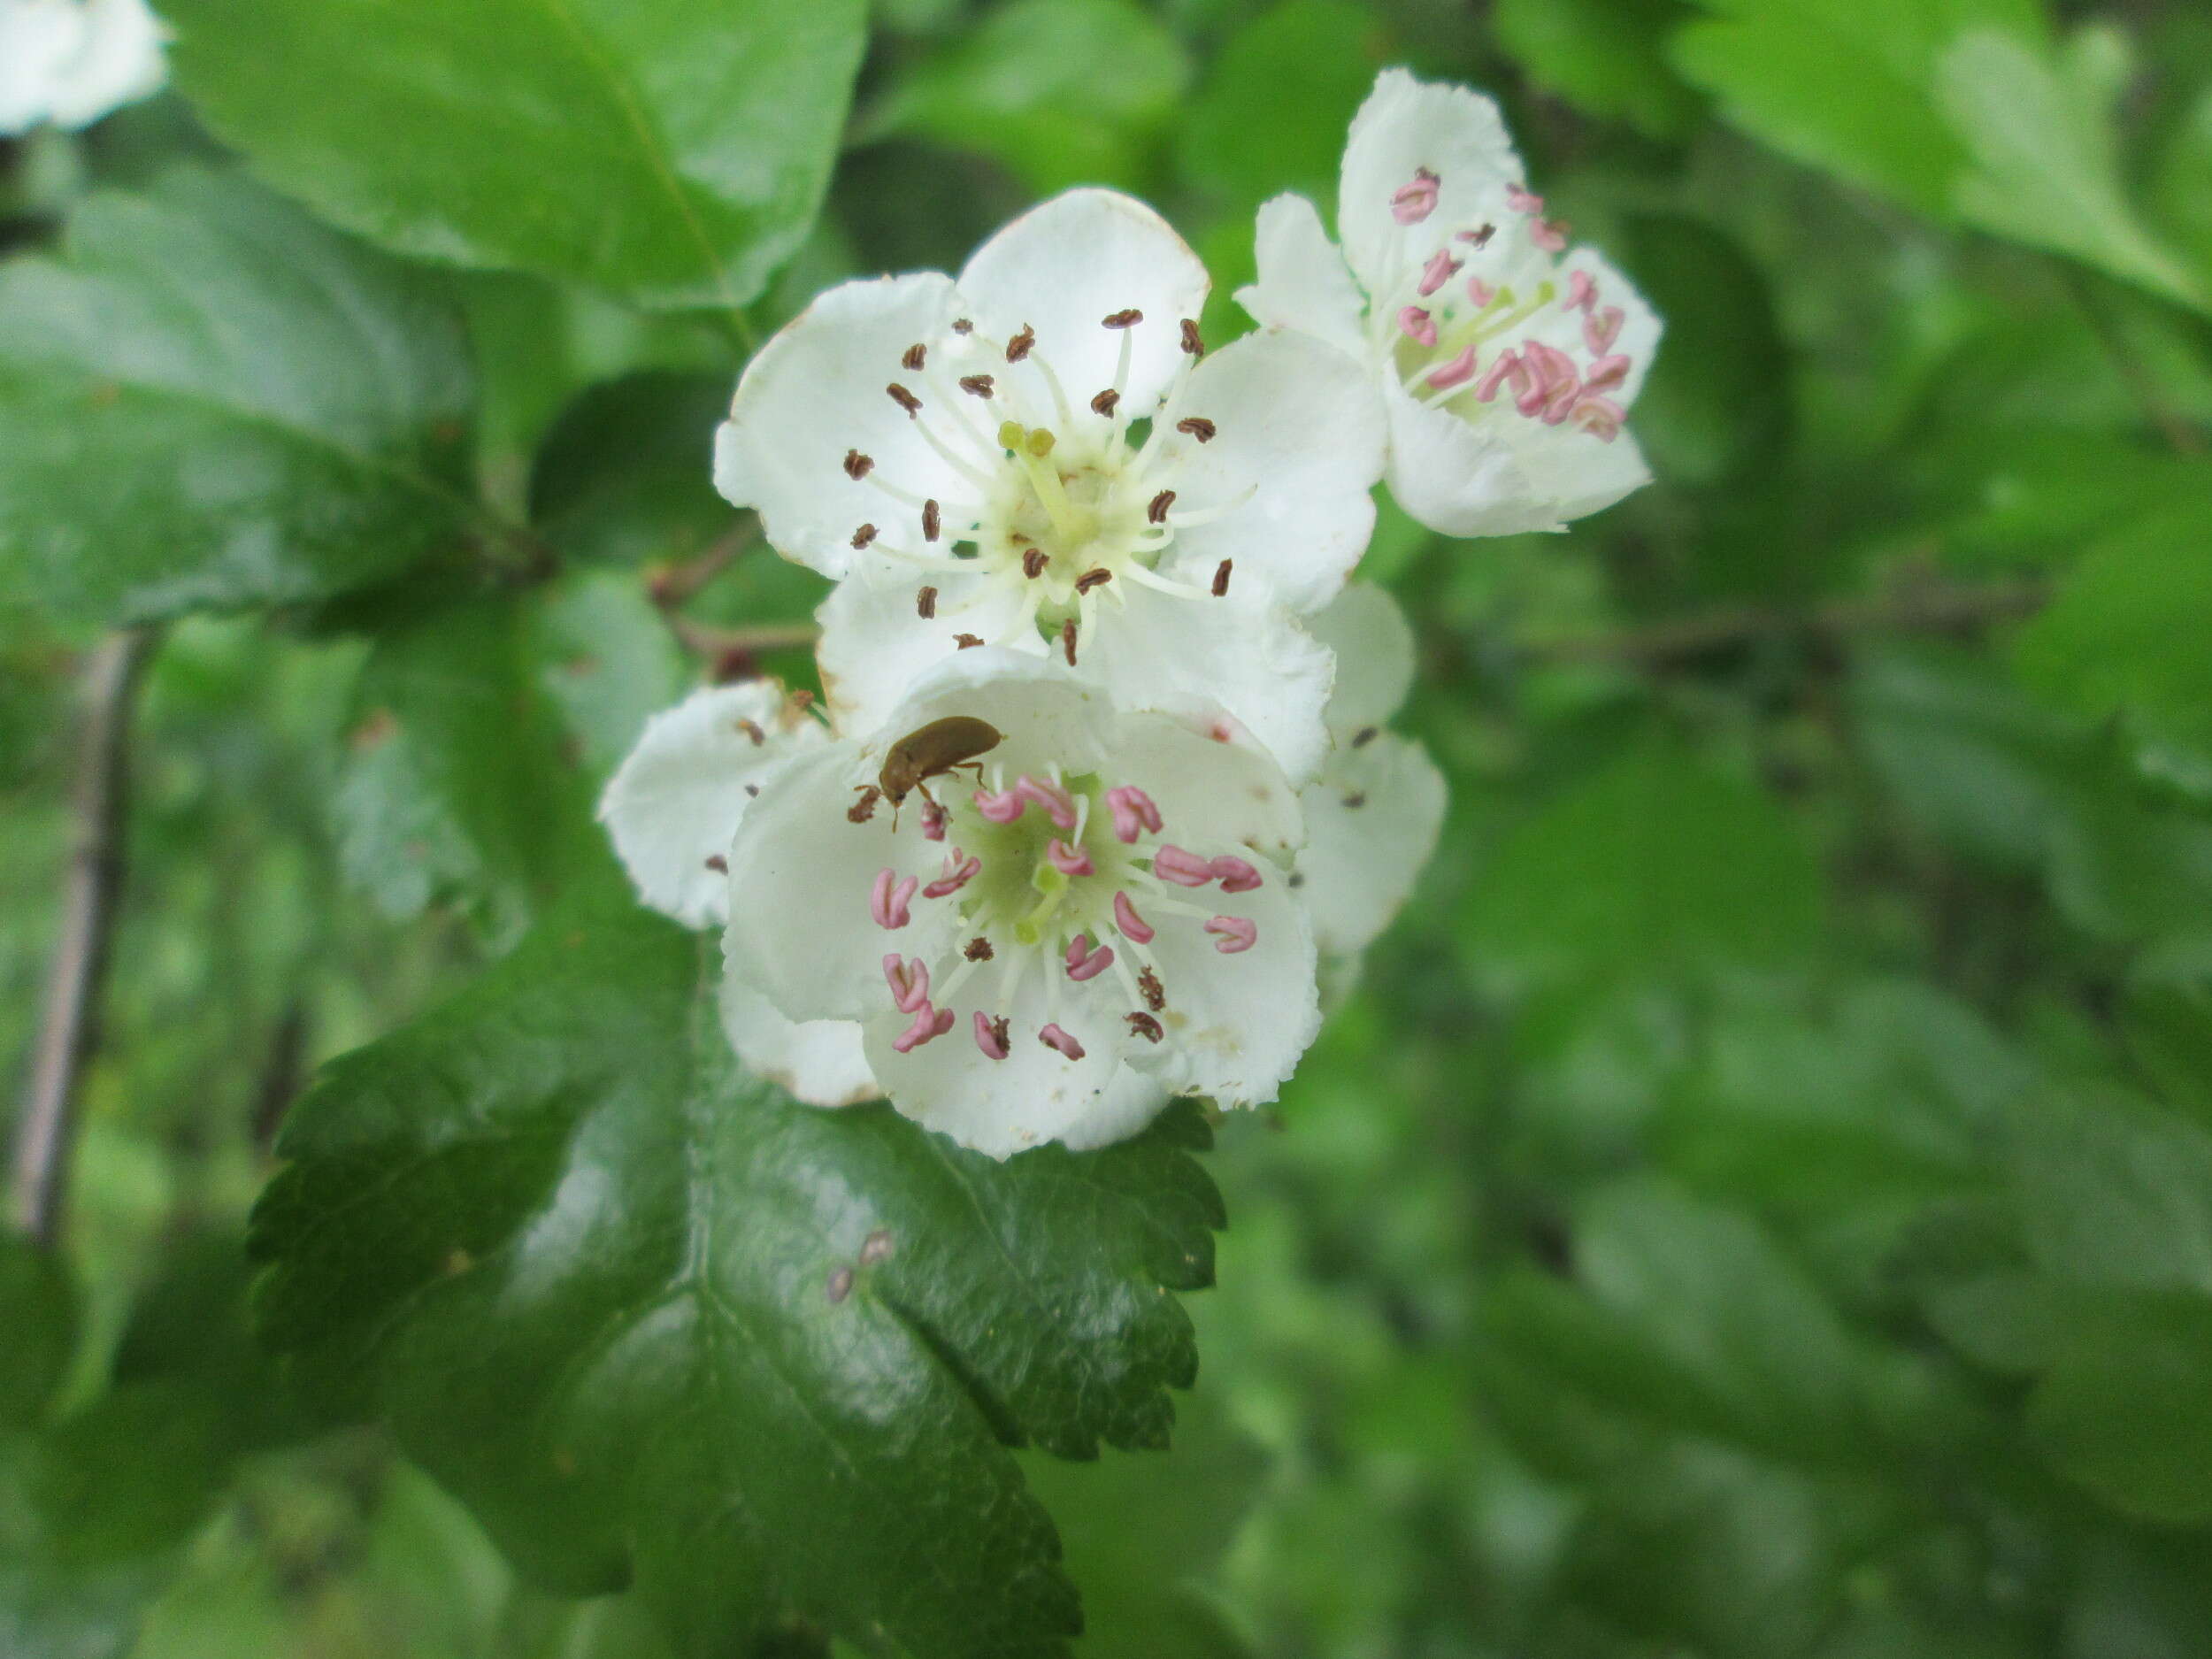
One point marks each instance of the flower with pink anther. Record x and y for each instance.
(672, 809)
(1041, 454)
(1507, 361)
(1108, 922)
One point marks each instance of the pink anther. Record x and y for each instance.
(1236, 875)
(1606, 373)
(1133, 811)
(1441, 268)
(1417, 326)
(908, 981)
(1582, 293)
(1519, 198)
(1550, 235)
(1410, 203)
(960, 868)
(1052, 1037)
(1069, 861)
(929, 1023)
(1059, 805)
(1601, 417)
(1131, 924)
(990, 1036)
(888, 900)
(1238, 934)
(1185, 869)
(933, 821)
(1000, 808)
(1480, 292)
(1601, 329)
(1458, 371)
(1085, 962)
(1505, 368)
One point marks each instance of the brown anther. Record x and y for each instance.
(1021, 344)
(967, 641)
(1198, 426)
(1145, 1026)
(1353, 802)
(1193, 342)
(1129, 319)
(998, 1033)
(1478, 239)
(1104, 403)
(801, 700)
(864, 536)
(1033, 563)
(962, 326)
(861, 810)
(1098, 576)
(1156, 513)
(856, 465)
(1067, 640)
(916, 355)
(905, 399)
(751, 729)
(1365, 735)
(1155, 993)
(977, 949)
(925, 603)
(752, 788)
(718, 863)
(976, 385)
(839, 1286)
(1221, 578)
(931, 521)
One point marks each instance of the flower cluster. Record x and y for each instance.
(1104, 799)
(69, 62)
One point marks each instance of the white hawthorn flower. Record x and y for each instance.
(1089, 917)
(1040, 454)
(70, 62)
(1373, 815)
(673, 808)
(1507, 360)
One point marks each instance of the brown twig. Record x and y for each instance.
(92, 887)
(669, 586)
(1922, 611)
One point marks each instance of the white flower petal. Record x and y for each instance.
(38, 40)
(1303, 284)
(1131, 1102)
(117, 61)
(1033, 1096)
(1298, 445)
(1460, 477)
(816, 392)
(1406, 125)
(1374, 648)
(1236, 1024)
(1243, 653)
(1361, 862)
(1212, 782)
(875, 643)
(677, 801)
(821, 1062)
(1068, 263)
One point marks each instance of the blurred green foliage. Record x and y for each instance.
(1757, 1203)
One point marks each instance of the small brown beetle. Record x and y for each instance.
(934, 751)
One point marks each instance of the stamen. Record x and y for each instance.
(1133, 927)
(1441, 268)
(1133, 810)
(1052, 1037)
(1478, 239)
(751, 729)
(856, 465)
(925, 603)
(1104, 403)
(1155, 993)
(909, 979)
(962, 326)
(1198, 426)
(1033, 563)
(1506, 367)
(916, 355)
(1410, 203)
(1067, 640)
(1550, 235)
(1022, 344)
(1001, 809)
(1417, 326)
(887, 903)
(1238, 933)
(1097, 577)
(1069, 861)
(863, 809)
(929, 1023)
(1601, 329)
(1192, 342)
(1517, 198)
(960, 868)
(1058, 804)
(718, 863)
(1606, 373)
(1183, 869)
(977, 385)
(1129, 319)
(1582, 293)
(864, 536)
(1085, 963)
(977, 949)
(967, 641)
(1221, 578)
(932, 820)
(1145, 1026)
(933, 520)
(990, 1036)
(1479, 291)
(1458, 371)
(905, 399)
(1156, 513)
(1236, 875)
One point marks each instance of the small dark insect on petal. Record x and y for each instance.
(1067, 640)
(967, 641)
(857, 465)
(1198, 426)
(752, 788)
(1145, 1026)
(925, 603)
(718, 863)
(876, 1247)
(905, 399)
(1129, 319)
(1022, 344)
(932, 521)
(1104, 403)
(1354, 801)
(1156, 513)
(916, 355)
(1193, 342)
(977, 385)
(864, 536)
(1221, 578)
(978, 950)
(1097, 577)
(1365, 735)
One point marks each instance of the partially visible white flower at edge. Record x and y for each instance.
(1506, 359)
(70, 62)
(1102, 920)
(1041, 455)
(1373, 815)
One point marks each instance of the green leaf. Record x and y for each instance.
(656, 1322)
(2127, 1408)
(2178, 188)
(208, 400)
(1845, 84)
(2037, 129)
(2127, 630)
(1273, 114)
(38, 1310)
(624, 475)
(2112, 1193)
(1657, 864)
(673, 154)
(456, 784)
(1606, 56)
(1024, 88)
